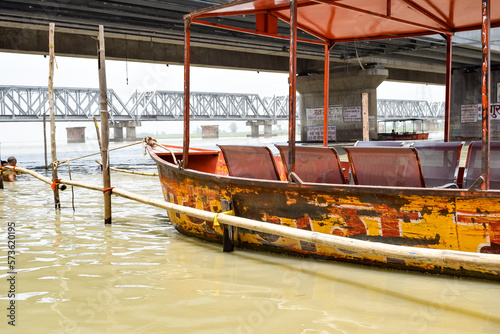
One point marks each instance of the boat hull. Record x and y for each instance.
(404, 136)
(428, 218)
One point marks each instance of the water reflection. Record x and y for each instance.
(76, 275)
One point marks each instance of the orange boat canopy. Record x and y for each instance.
(331, 21)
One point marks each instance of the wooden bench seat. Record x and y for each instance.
(314, 164)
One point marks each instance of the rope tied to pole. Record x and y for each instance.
(110, 189)
(55, 183)
(216, 220)
(148, 141)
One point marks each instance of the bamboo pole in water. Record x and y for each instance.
(477, 262)
(103, 90)
(53, 116)
(45, 140)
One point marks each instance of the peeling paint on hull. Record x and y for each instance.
(428, 218)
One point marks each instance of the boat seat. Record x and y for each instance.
(361, 143)
(315, 164)
(253, 162)
(385, 166)
(440, 162)
(473, 164)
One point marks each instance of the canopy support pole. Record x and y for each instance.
(447, 100)
(187, 42)
(326, 93)
(292, 81)
(485, 95)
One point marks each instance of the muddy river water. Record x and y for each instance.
(73, 274)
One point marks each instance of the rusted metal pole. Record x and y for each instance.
(103, 100)
(485, 95)
(53, 151)
(326, 93)
(187, 42)
(447, 100)
(292, 81)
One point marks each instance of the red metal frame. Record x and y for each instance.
(485, 95)
(187, 42)
(447, 100)
(292, 94)
(423, 29)
(259, 33)
(326, 98)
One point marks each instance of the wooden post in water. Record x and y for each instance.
(365, 118)
(53, 117)
(103, 98)
(45, 140)
(228, 230)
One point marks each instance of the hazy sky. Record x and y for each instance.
(127, 77)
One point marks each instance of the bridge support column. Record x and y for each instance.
(466, 118)
(129, 125)
(75, 134)
(268, 128)
(118, 133)
(131, 133)
(209, 131)
(346, 89)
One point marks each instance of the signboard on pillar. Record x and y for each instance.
(315, 133)
(352, 114)
(469, 113)
(314, 116)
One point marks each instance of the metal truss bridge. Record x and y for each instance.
(24, 104)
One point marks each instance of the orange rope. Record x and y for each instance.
(108, 189)
(54, 184)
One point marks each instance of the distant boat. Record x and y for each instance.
(408, 126)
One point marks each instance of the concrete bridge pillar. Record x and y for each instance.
(268, 128)
(209, 131)
(118, 133)
(466, 110)
(131, 133)
(129, 125)
(346, 89)
(254, 126)
(75, 134)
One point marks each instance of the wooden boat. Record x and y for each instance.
(408, 132)
(389, 202)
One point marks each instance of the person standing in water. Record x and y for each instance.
(10, 176)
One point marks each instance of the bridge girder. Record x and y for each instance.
(72, 104)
